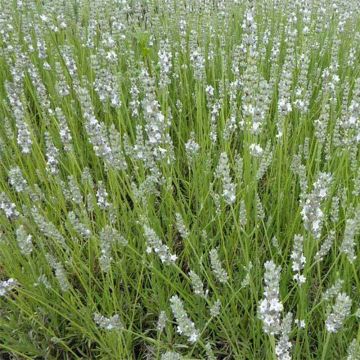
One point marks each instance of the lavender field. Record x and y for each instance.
(180, 179)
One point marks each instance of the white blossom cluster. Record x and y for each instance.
(218, 270)
(155, 244)
(271, 307)
(185, 326)
(311, 209)
(111, 323)
(6, 286)
(340, 311)
(222, 172)
(298, 259)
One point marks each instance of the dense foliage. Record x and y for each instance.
(179, 179)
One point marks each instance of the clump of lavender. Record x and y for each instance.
(311, 208)
(298, 259)
(220, 273)
(185, 326)
(340, 311)
(270, 308)
(111, 323)
(155, 244)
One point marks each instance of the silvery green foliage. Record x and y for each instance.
(220, 273)
(17, 180)
(283, 345)
(298, 259)
(222, 172)
(155, 244)
(311, 207)
(270, 307)
(24, 240)
(7, 285)
(111, 323)
(340, 311)
(60, 273)
(348, 244)
(185, 326)
(8, 207)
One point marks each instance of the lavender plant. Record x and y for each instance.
(156, 156)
